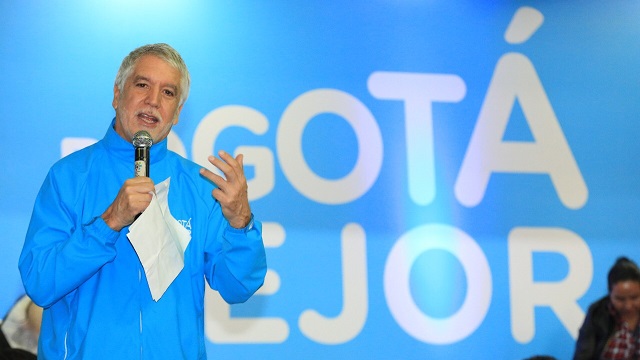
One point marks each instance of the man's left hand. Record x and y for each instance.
(231, 191)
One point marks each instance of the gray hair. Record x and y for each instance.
(164, 52)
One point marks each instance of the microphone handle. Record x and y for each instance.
(142, 161)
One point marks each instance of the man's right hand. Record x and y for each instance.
(133, 198)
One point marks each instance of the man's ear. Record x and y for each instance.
(116, 96)
(177, 117)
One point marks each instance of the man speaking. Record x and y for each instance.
(109, 292)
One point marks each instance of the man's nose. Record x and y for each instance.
(153, 97)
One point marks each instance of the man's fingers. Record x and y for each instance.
(230, 167)
(215, 178)
(134, 197)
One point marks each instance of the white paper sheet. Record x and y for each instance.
(160, 242)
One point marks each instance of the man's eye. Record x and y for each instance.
(141, 85)
(169, 93)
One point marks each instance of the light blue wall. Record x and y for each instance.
(398, 108)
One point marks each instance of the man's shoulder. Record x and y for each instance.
(79, 156)
(77, 166)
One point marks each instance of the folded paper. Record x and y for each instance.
(160, 241)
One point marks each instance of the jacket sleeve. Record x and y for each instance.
(586, 343)
(594, 332)
(60, 253)
(238, 267)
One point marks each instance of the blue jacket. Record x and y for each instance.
(97, 303)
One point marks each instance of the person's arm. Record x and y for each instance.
(587, 337)
(20, 328)
(237, 265)
(66, 244)
(34, 317)
(60, 252)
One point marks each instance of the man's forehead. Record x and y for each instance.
(154, 68)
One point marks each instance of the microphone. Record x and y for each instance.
(142, 141)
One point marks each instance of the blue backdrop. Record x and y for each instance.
(437, 179)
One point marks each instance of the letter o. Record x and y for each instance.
(398, 293)
(289, 146)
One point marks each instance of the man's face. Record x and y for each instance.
(625, 297)
(149, 99)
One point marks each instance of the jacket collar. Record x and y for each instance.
(117, 146)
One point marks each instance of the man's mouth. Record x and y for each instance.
(147, 118)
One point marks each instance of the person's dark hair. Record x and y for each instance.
(624, 269)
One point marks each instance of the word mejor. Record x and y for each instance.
(514, 79)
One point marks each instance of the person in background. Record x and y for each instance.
(77, 261)
(19, 331)
(611, 329)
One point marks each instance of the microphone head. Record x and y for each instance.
(142, 139)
